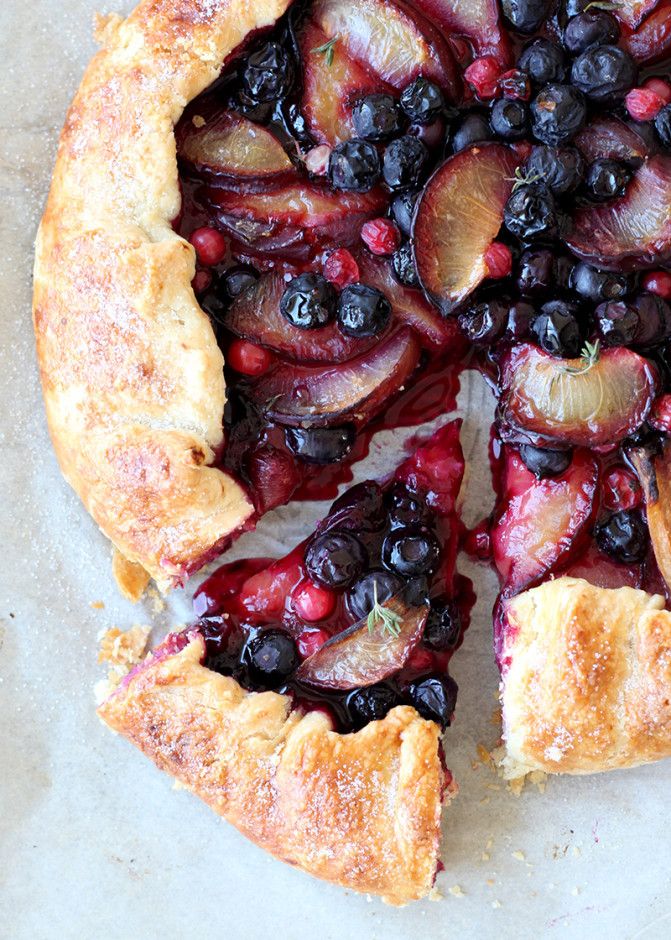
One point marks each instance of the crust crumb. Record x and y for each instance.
(520, 856)
(131, 578)
(122, 650)
(157, 601)
(456, 891)
(434, 894)
(198, 120)
(97, 605)
(496, 904)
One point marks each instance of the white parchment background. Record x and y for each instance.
(93, 840)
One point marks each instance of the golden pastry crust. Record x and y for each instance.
(361, 810)
(588, 685)
(131, 371)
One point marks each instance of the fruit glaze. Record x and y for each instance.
(378, 195)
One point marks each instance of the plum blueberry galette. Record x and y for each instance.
(277, 228)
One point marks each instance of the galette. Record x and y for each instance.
(275, 229)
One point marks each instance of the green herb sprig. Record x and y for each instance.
(589, 357)
(327, 50)
(389, 620)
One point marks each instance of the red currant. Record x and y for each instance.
(498, 260)
(660, 414)
(643, 104)
(621, 489)
(310, 640)
(658, 282)
(210, 245)
(340, 268)
(483, 76)
(312, 602)
(420, 660)
(248, 358)
(381, 236)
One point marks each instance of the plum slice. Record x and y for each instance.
(370, 650)
(631, 232)
(655, 476)
(602, 571)
(652, 40)
(633, 12)
(255, 315)
(478, 20)
(391, 39)
(609, 138)
(543, 521)
(331, 86)
(233, 149)
(457, 217)
(312, 396)
(564, 400)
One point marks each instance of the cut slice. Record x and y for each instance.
(391, 39)
(355, 391)
(541, 522)
(478, 20)
(633, 12)
(655, 476)
(633, 231)
(609, 138)
(457, 217)
(549, 399)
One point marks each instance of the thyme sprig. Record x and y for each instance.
(327, 50)
(589, 357)
(389, 620)
(519, 179)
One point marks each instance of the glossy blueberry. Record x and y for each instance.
(526, 16)
(530, 212)
(536, 272)
(370, 704)
(321, 445)
(335, 559)
(520, 317)
(422, 101)
(596, 285)
(308, 301)
(272, 657)
(617, 322)
(435, 698)
(376, 117)
(560, 168)
(604, 73)
(472, 130)
(654, 319)
(238, 279)
(663, 125)
(403, 162)
(543, 61)
(543, 462)
(354, 166)
(360, 598)
(557, 114)
(556, 329)
(267, 73)
(361, 508)
(624, 536)
(508, 118)
(215, 301)
(402, 209)
(403, 266)
(405, 508)
(484, 323)
(363, 311)
(443, 625)
(411, 552)
(593, 28)
(606, 179)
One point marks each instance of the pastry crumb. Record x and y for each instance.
(490, 882)
(496, 904)
(575, 890)
(520, 856)
(157, 601)
(131, 578)
(122, 650)
(434, 894)
(198, 120)
(485, 856)
(97, 605)
(456, 891)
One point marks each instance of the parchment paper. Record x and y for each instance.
(94, 842)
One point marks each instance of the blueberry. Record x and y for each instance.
(360, 509)
(272, 657)
(530, 212)
(472, 130)
(617, 322)
(606, 179)
(405, 508)
(663, 125)
(654, 319)
(422, 101)
(508, 118)
(236, 280)
(543, 61)
(403, 266)
(370, 704)
(361, 596)
(308, 301)
(598, 285)
(215, 301)
(604, 73)
(335, 559)
(543, 462)
(354, 165)
(434, 698)
(484, 323)
(560, 168)
(557, 330)
(520, 318)
(443, 626)
(403, 162)
(536, 272)
(624, 536)
(557, 113)
(321, 445)
(376, 117)
(526, 16)
(593, 28)
(267, 74)
(411, 552)
(363, 311)
(402, 209)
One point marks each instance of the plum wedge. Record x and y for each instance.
(391, 39)
(550, 399)
(543, 521)
(355, 390)
(457, 217)
(370, 650)
(633, 12)
(609, 138)
(651, 41)
(655, 476)
(633, 231)
(478, 20)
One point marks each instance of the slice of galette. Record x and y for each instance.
(306, 703)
